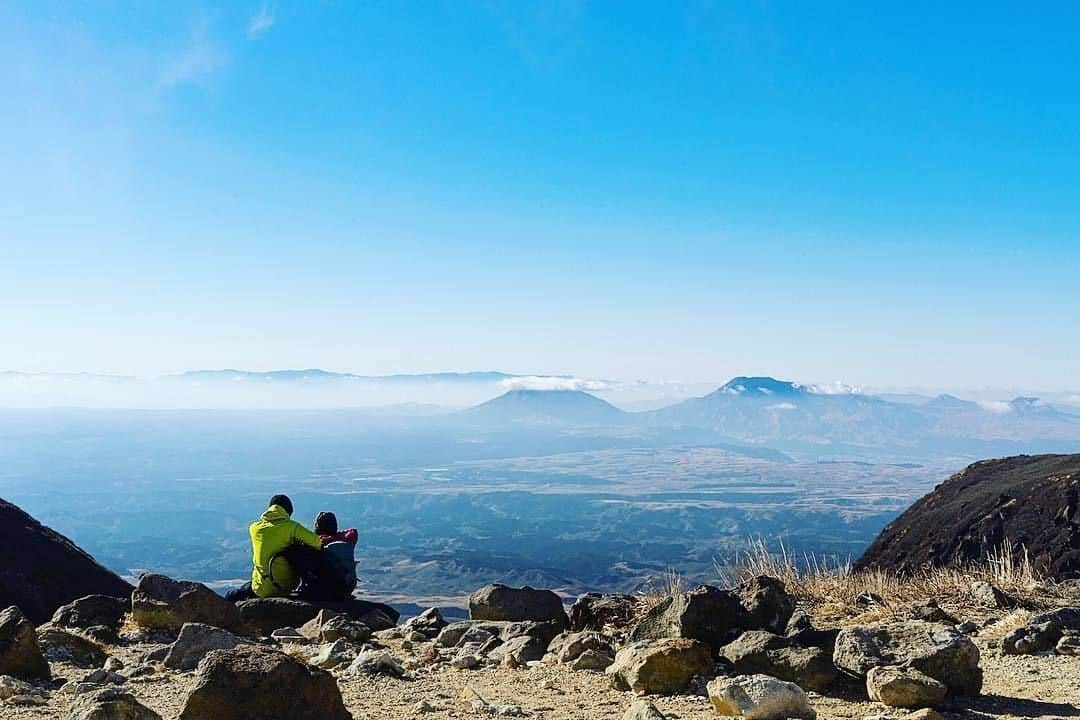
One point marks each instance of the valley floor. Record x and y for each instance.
(1015, 687)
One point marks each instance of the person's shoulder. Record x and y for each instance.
(350, 536)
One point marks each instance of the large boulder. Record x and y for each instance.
(568, 647)
(759, 652)
(660, 666)
(706, 613)
(254, 682)
(939, 651)
(759, 697)
(110, 703)
(263, 616)
(195, 642)
(91, 611)
(20, 654)
(40, 569)
(766, 603)
(59, 644)
(594, 611)
(500, 602)
(161, 603)
(904, 687)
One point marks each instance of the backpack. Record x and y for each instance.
(316, 573)
(340, 555)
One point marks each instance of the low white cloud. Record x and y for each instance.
(999, 407)
(547, 382)
(834, 388)
(261, 21)
(781, 406)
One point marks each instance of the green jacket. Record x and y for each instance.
(270, 534)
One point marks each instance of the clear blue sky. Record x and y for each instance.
(820, 191)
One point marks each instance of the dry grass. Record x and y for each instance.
(834, 590)
(670, 584)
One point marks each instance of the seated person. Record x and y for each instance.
(271, 573)
(340, 549)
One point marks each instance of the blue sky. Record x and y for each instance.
(670, 191)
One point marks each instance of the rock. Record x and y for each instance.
(544, 631)
(592, 660)
(330, 655)
(90, 611)
(904, 687)
(924, 714)
(499, 602)
(801, 631)
(195, 642)
(928, 611)
(290, 635)
(64, 645)
(342, 627)
(1066, 619)
(1029, 639)
(967, 628)
(706, 613)
(869, 599)
(758, 652)
(254, 682)
(161, 603)
(660, 666)
(759, 697)
(523, 649)
(642, 710)
(936, 650)
(475, 635)
(570, 646)
(1068, 645)
(114, 664)
(423, 707)
(20, 654)
(376, 662)
(156, 655)
(101, 676)
(11, 688)
(766, 604)
(140, 671)
(450, 636)
(593, 611)
(110, 704)
(429, 623)
(989, 596)
(263, 616)
(103, 634)
(466, 660)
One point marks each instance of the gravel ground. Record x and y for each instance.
(1015, 687)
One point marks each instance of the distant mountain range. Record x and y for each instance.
(561, 407)
(787, 415)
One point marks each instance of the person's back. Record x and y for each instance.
(340, 548)
(274, 531)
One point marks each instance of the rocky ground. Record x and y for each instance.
(424, 669)
(1026, 686)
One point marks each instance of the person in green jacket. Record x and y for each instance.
(274, 531)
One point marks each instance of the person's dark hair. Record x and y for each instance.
(325, 523)
(283, 502)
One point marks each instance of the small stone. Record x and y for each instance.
(924, 714)
(1068, 645)
(642, 710)
(967, 627)
(759, 697)
(423, 707)
(115, 664)
(904, 687)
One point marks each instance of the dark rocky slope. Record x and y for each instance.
(40, 569)
(1033, 501)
